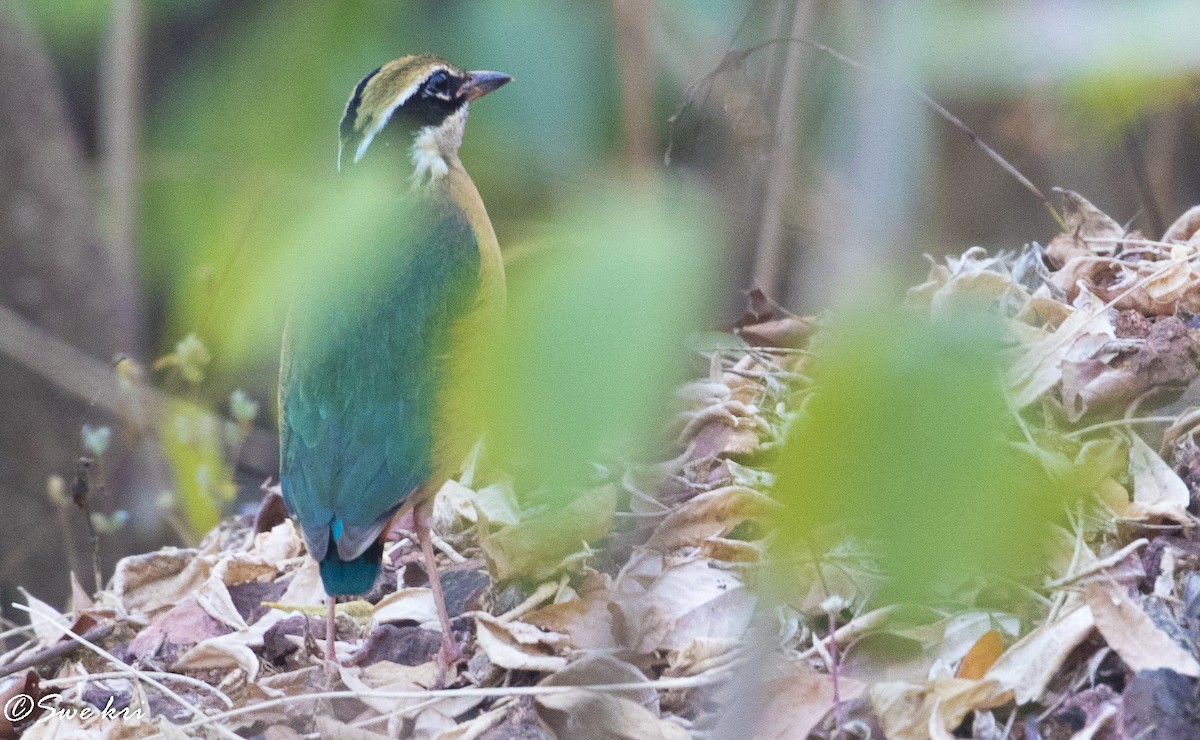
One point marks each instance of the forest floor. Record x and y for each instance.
(648, 587)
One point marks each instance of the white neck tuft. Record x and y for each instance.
(435, 146)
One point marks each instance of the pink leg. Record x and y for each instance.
(449, 654)
(331, 661)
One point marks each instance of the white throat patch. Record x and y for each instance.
(434, 146)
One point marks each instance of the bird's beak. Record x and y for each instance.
(480, 83)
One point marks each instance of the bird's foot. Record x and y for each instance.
(448, 656)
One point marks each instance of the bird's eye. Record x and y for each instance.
(438, 84)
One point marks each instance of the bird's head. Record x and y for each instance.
(419, 100)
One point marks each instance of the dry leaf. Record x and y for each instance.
(1132, 634)
(982, 656)
(143, 584)
(1157, 490)
(1084, 221)
(909, 712)
(969, 281)
(407, 604)
(598, 669)
(703, 655)
(1160, 705)
(215, 599)
(457, 506)
(668, 604)
(1084, 333)
(1027, 667)
(518, 646)
(767, 324)
(283, 542)
(711, 514)
(586, 620)
(234, 650)
(49, 624)
(184, 625)
(1185, 227)
(1165, 360)
(359, 681)
(797, 701)
(306, 588)
(21, 685)
(592, 715)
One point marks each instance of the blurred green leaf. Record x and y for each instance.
(71, 28)
(596, 332)
(192, 443)
(903, 443)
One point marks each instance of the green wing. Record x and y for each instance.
(364, 361)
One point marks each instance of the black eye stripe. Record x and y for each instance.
(351, 114)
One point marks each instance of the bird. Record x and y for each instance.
(375, 357)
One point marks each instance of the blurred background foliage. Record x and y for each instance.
(904, 445)
(824, 184)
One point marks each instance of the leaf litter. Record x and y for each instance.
(641, 609)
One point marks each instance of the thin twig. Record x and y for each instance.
(181, 678)
(838, 709)
(1099, 565)
(1122, 423)
(1126, 240)
(118, 133)
(118, 663)
(781, 173)
(1137, 163)
(56, 651)
(93, 381)
(661, 684)
(852, 629)
(635, 73)
(924, 97)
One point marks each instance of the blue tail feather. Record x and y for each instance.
(351, 577)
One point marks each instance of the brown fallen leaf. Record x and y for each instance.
(1151, 371)
(183, 626)
(282, 542)
(797, 701)
(26, 685)
(407, 604)
(711, 514)
(230, 651)
(1160, 704)
(1132, 634)
(518, 645)
(1183, 231)
(1158, 491)
(592, 715)
(935, 709)
(1027, 667)
(982, 656)
(1085, 332)
(597, 669)
(1083, 221)
(767, 324)
(586, 619)
(969, 281)
(144, 584)
(49, 625)
(666, 603)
